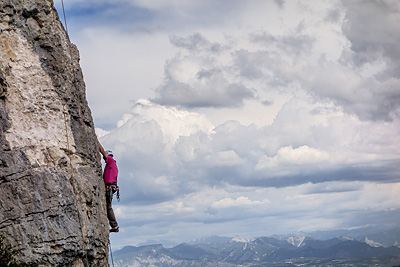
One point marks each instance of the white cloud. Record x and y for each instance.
(239, 202)
(375, 41)
(173, 122)
(288, 155)
(301, 155)
(200, 82)
(358, 27)
(100, 132)
(225, 158)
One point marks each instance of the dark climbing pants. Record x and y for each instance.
(110, 213)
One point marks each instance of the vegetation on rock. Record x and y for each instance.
(7, 256)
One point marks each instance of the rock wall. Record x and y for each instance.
(52, 205)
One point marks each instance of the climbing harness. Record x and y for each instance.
(111, 189)
(112, 259)
(65, 20)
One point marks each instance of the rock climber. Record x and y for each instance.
(110, 175)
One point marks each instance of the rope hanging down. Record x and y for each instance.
(65, 19)
(112, 259)
(66, 28)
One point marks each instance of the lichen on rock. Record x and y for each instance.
(52, 206)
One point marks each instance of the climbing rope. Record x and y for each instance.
(70, 171)
(68, 152)
(112, 259)
(68, 144)
(65, 19)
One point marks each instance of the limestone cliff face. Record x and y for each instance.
(52, 204)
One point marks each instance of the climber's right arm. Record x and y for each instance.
(102, 151)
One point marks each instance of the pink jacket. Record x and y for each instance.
(110, 171)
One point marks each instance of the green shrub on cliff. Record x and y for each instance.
(7, 255)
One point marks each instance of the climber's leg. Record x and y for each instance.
(110, 214)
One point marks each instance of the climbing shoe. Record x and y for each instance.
(115, 229)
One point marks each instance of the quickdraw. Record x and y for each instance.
(111, 189)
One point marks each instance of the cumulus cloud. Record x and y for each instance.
(181, 150)
(372, 29)
(100, 132)
(303, 155)
(295, 44)
(196, 43)
(361, 92)
(240, 201)
(225, 158)
(199, 82)
(147, 137)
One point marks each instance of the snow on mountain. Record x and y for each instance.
(372, 243)
(241, 239)
(296, 240)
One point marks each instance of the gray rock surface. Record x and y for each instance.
(52, 205)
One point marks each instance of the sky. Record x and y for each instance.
(244, 118)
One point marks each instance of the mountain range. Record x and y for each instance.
(371, 249)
